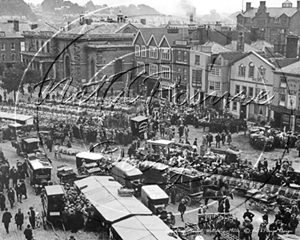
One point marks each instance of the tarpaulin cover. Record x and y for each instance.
(102, 192)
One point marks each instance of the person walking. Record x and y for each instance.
(249, 215)
(14, 176)
(11, 197)
(19, 219)
(19, 192)
(28, 233)
(223, 137)
(229, 138)
(23, 189)
(182, 208)
(218, 140)
(6, 219)
(31, 214)
(2, 201)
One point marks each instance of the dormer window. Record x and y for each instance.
(242, 70)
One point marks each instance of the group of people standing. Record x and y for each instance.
(223, 137)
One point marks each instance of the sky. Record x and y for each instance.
(169, 6)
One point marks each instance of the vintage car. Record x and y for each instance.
(89, 163)
(26, 145)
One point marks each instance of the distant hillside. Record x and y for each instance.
(16, 8)
(67, 7)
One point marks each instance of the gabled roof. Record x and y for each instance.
(95, 28)
(281, 63)
(261, 45)
(159, 33)
(291, 69)
(47, 28)
(162, 39)
(247, 48)
(150, 39)
(258, 56)
(232, 56)
(137, 26)
(137, 35)
(274, 12)
(216, 48)
(8, 28)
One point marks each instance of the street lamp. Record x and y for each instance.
(292, 113)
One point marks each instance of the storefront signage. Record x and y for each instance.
(285, 119)
(291, 102)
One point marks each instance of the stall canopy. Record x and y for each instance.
(161, 142)
(102, 192)
(143, 228)
(54, 190)
(19, 118)
(155, 192)
(90, 155)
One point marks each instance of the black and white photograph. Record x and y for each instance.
(149, 120)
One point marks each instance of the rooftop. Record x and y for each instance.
(247, 48)
(8, 28)
(216, 48)
(293, 68)
(275, 12)
(232, 56)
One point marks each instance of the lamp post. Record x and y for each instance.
(291, 115)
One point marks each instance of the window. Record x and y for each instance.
(251, 70)
(48, 47)
(283, 82)
(234, 106)
(165, 72)
(12, 46)
(42, 46)
(250, 91)
(282, 99)
(144, 51)
(244, 89)
(13, 57)
(165, 54)
(242, 70)
(215, 71)
(197, 60)
(237, 89)
(37, 45)
(185, 56)
(3, 46)
(257, 91)
(215, 86)
(184, 74)
(140, 67)
(197, 78)
(262, 72)
(3, 57)
(137, 50)
(179, 55)
(153, 69)
(153, 52)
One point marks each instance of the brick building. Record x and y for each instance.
(82, 52)
(272, 24)
(11, 41)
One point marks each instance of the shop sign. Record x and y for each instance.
(285, 119)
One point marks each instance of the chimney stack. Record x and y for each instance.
(248, 6)
(262, 3)
(291, 46)
(81, 19)
(16, 25)
(240, 45)
(143, 21)
(298, 5)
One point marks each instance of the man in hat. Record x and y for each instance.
(201, 216)
(6, 219)
(265, 217)
(28, 233)
(31, 214)
(19, 219)
(2, 201)
(248, 228)
(293, 223)
(23, 189)
(263, 232)
(249, 215)
(182, 208)
(11, 197)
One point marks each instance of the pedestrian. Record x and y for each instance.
(11, 197)
(2, 201)
(23, 189)
(6, 219)
(19, 192)
(28, 233)
(265, 217)
(14, 176)
(72, 238)
(223, 137)
(209, 139)
(249, 215)
(19, 219)
(186, 131)
(287, 143)
(263, 232)
(218, 140)
(229, 139)
(248, 228)
(293, 223)
(31, 214)
(195, 142)
(182, 208)
(56, 151)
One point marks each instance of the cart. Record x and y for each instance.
(188, 184)
(260, 200)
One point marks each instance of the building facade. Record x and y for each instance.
(12, 41)
(272, 24)
(94, 51)
(251, 80)
(286, 97)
